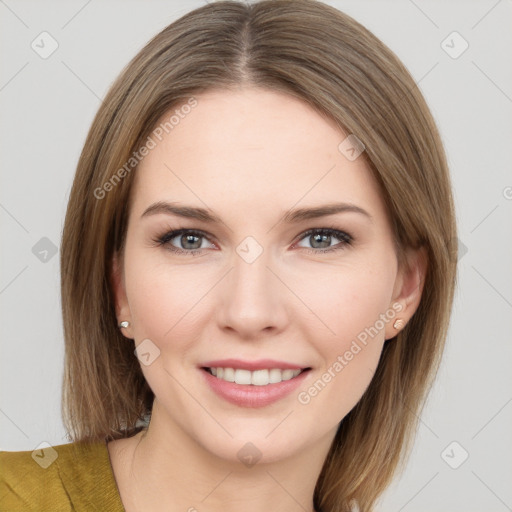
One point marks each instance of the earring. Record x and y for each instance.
(124, 324)
(398, 324)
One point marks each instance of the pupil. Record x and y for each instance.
(323, 240)
(190, 239)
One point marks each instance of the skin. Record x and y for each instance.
(250, 156)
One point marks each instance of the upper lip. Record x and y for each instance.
(259, 364)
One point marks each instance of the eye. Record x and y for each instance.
(184, 241)
(321, 239)
(193, 242)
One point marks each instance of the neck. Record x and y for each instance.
(168, 470)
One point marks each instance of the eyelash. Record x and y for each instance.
(345, 240)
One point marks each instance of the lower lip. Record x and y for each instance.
(245, 395)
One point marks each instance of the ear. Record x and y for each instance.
(119, 291)
(408, 289)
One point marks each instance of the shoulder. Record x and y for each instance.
(29, 478)
(58, 478)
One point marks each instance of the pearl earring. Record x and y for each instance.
(398, 324)
(124, 324)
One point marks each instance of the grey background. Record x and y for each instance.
(48, 105)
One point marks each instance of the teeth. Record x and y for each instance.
(287, 374)
(229, 374)
(275, 375)
(242, 376)
(256, 378)
(259, 378)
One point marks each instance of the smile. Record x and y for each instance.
(255, 378)
(253, 383)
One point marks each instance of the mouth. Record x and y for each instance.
(260, 377)
(253, 383)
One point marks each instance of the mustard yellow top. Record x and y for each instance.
(68, 477)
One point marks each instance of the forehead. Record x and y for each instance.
(251, 150)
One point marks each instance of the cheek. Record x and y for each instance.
(354, 307)
(167, 308)
(165, 302)
(348, 302)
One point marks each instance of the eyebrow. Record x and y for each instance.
(292, 216)
(301, 214)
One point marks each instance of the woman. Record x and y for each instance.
(256, 284)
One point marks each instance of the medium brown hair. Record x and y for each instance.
(324, 57)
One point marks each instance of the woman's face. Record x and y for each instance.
(261, 277)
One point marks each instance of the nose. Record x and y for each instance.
(252, 299)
